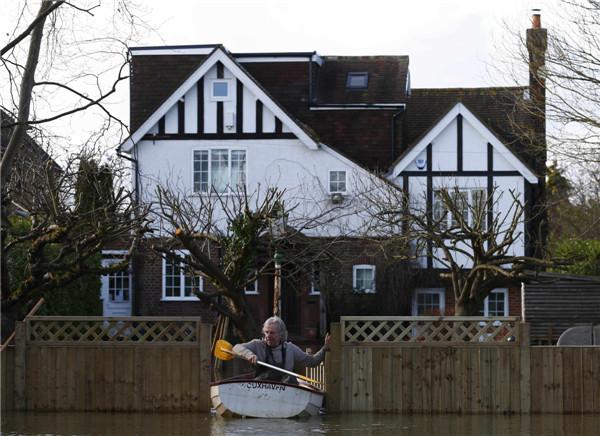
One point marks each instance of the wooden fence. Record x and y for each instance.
(455, 365)
(108, 364)
(376, 364)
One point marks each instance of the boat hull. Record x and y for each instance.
(264, 399)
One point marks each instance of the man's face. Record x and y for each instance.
(272, 335)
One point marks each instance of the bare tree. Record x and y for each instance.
(71, 215)
(469, 243)
(53, 78)
(60, 62)
(565, 74)
(232, 238)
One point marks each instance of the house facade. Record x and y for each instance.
(204, 119)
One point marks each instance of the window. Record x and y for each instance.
(496, 304)
(364, 278)
(315, 282)
(220, 89)
(118, 284)
(252, 287)
(177, 283)
(357, 81)
(219, 170)
(470, 206)
(429, 302)
(337, 182)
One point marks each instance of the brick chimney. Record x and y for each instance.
(536, 46)
(537, 42)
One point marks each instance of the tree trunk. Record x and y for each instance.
(243, 322)
(27, 82)
(245, 326)
(467, 307)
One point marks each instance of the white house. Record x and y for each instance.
(204, 119)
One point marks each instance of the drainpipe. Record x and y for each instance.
(396, 115)
(310, 62)
(136, 201)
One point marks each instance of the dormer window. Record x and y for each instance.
(220, 90)
(357, 81)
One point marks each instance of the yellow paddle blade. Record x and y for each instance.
(223, 350)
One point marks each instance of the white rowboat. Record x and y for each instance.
(244, 396)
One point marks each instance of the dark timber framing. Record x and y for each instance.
(489, 173)
(259, 116)
(239, 107)
(181, 115)
(200, 86)
(220, 75)
(247, 135)
(459, 142)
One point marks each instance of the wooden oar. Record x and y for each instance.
(223, 350)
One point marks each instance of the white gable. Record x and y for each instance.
(475, 139)
(188, 94)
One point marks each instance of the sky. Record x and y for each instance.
(449, 42)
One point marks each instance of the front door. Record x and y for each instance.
(116, 290)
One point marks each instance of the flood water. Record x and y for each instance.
(54, 424)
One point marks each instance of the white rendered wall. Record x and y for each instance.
(286, 164)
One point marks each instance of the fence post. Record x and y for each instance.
(205, 366)
(525, 370)
(20, 365)
(333, 369)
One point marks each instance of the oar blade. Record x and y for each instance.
(223, 350)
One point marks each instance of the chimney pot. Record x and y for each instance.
(537, 21)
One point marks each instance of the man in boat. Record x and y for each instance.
(274, 350)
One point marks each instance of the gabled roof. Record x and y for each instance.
(156, 72)
(498, 109)
(219, 54)
(428, 136)
(309, 92)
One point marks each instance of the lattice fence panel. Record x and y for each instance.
(96, 330)
(429, 330)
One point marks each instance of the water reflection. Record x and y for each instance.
(55, 424)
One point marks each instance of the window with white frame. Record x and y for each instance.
(495, 304)
(219, 170)
(252, 287)
(178, 284)
(118, 283)
(220, 89)
(429, 302)
(470, 205)
(315, 285)
(364, 278)
(337, 182)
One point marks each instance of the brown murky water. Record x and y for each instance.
(54, 424)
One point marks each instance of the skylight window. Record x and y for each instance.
(357, 81)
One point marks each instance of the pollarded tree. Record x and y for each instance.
(231, 239)
(71, 217)
(470, 242)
